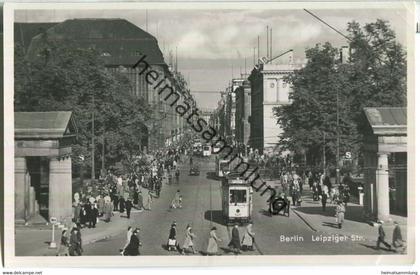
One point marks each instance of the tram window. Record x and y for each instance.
(224, 166)
(237, 196)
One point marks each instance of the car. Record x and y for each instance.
(216, 148)
(195, 170)
(278, 204)
(206, 151)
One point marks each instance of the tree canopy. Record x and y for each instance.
(374, 75)
(65, 77)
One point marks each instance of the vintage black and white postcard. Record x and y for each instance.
(198, 133)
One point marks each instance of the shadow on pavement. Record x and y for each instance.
(212, 176)
(353, 213)
(215, 216)
(330, 224)
(265, 212)
(373, 247)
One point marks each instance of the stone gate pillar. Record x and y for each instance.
(60, 188)
(20, 188)
(382, 187)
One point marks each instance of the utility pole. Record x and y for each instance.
(258, 46)
(103, 152)
(254, 55)
(93, 138)
(176, 59)
(271, 43)
(323, 153)
(268, 53)
(338, 141)
(147, 20)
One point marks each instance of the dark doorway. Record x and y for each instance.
(38, 168)
(398, 183)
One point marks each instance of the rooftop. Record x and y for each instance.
(118, 41)
(44, 125)
(387, 120)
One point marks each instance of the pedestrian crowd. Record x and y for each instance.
(187, 246)
(120, 192)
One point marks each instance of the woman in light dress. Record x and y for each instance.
(212, 247)
(189, 241)
(248, 239)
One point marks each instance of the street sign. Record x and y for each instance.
(53, 220)
(348, 155)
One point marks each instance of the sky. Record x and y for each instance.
(215, 45)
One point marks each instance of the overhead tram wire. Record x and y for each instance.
(331, 27)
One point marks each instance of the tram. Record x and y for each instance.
(236, 199)
(222, 167)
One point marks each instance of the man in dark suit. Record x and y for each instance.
(93, 215)
(128, 206)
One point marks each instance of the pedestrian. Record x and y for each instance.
(327, 182)
(177, 201)
(107, 209)
(115, 198)
(340, 210)
(235, 242)
(295, 192)
(381, 237)
(127, 242)
(93, 216)
(397, 240)
(101, 205)
(83, 214)
(314, 192)
(158, 187)
(286, 207)
(140, 202)
(324, 200)
(63, 250)
(248, 239)
(128, 206)
(121, 204)
(75, 248)
(172, 243)
(149, 200)
(177, 174)
(212, 247)
(132, 248)
(76, 211)
(189, 241)
(135, 196)
(169, 177)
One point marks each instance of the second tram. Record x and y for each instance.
(236, 199)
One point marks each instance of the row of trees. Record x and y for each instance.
(374, 76)
(64, 77)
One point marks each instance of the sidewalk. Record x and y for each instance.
(34, 240)
(355, 225)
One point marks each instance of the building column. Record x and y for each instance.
(60, 188)
(20, 188)
(382, 187)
